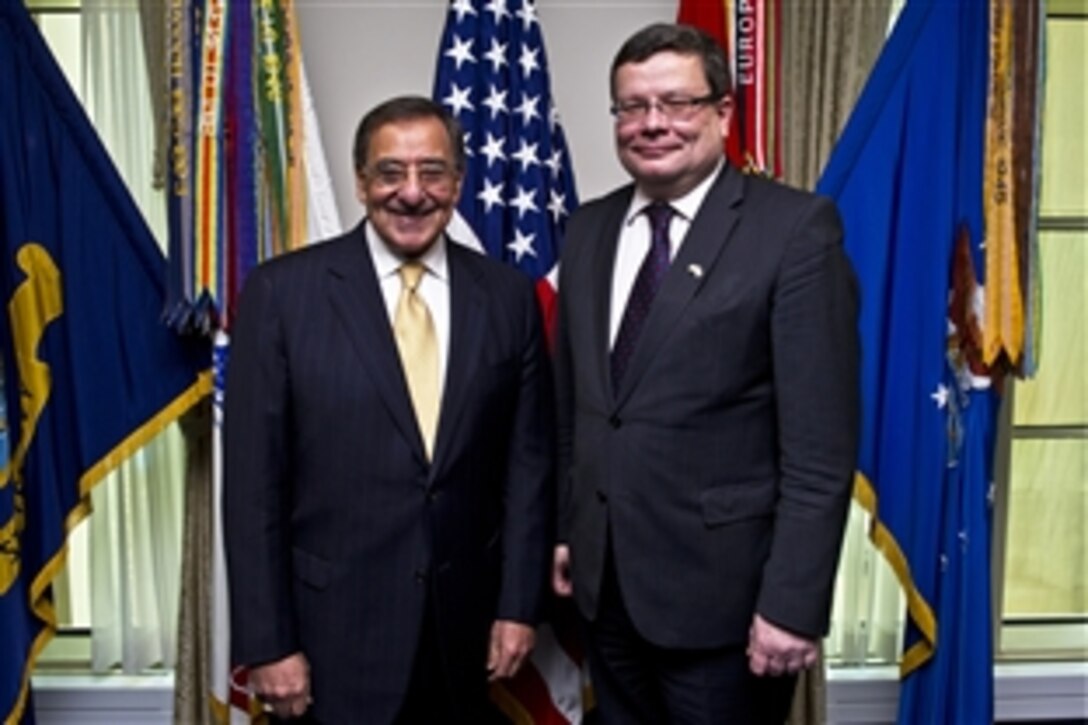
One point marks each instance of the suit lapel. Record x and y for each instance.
(468, 315)
(356, 299)
(708, 235)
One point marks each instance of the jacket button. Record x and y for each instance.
(421, 575)
(615, 421)
(602, 496)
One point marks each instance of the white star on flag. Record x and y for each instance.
(462, 8)
(556, 205)
(527, 109)
(526, 155)
(555, 161)
(496, 55)
(498, 10)
(527, 13)
(522, 245)
(461, 52)
(940, 396)
(523, 202)
(492, 149)
(528, 61)
(496, 102)
(458, 100)
(490, 195)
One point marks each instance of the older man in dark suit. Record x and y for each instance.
(389, 453)
(707, 383)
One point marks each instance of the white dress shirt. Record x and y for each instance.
(634, 243)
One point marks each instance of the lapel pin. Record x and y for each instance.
(695, 271)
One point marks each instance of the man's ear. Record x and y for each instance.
(360, 187)
(724, 109)
(457, 185)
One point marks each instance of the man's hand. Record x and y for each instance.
(561, 583)
(511, 643)
(774, 651)
(283, 686)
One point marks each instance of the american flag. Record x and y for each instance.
(519, 190)
(492, 74)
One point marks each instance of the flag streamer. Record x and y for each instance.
(750, 32)
(239, 183)
(259, 187)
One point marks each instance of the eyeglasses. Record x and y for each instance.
(674, 108)
(394, 174)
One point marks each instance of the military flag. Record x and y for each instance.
(90, 371)
(247, 176)
(907, 175)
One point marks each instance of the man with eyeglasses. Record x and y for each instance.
(707, 388)
(389, 454)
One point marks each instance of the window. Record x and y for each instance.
(1044, 597)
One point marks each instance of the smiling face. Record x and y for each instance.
(410, 184)
(667, 157)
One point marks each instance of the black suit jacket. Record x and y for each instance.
(721, 470)
(334, 520)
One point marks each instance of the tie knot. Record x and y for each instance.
(660, 214)
(411, 273)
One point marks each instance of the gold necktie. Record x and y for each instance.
(418, 348)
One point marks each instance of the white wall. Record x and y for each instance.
(361, 52)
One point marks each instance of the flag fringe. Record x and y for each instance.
(919, 610)
(41, 605)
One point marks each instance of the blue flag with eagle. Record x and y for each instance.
(90, 372)
(908, 177)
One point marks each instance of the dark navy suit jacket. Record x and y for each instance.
(335, 523)
(721, 469)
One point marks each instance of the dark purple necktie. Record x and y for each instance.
(649, 278)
